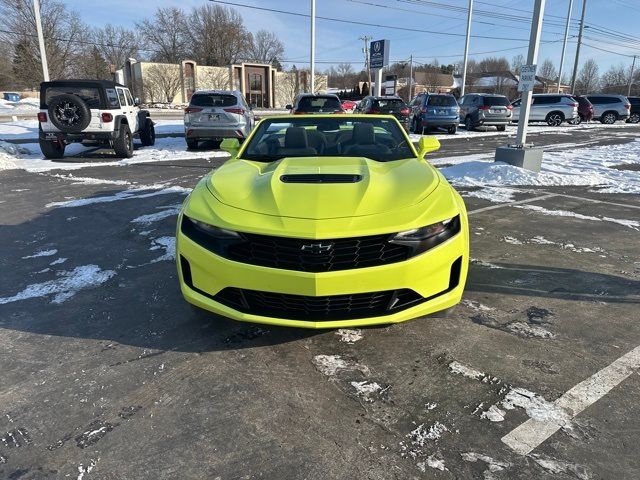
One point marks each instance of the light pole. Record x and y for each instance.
(313, 46)
(633, 66)
(43, 52)
(564, 45)
(575, 64)
(466, 49)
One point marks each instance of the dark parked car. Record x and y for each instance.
(316, 103)
(432, 110)
(478, 109)
(585, 110)
(634, 117)
(391, 105)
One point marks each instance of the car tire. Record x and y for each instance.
(634, 118)
(468, 123)
(123, 144)
(501, 128)
(554, 119)
(192, 143)
(69, 113)
(452, 129)
(576, 121)
(51, 149)
(609, 118)
(148, 133)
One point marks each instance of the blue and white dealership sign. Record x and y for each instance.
(379, 54)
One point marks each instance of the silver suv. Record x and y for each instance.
(551, 108)
(610, 108)
(215, 115)
(485, 109)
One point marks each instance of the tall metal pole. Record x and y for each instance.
(633, 66)
(43, 52)
(410, 78)
(532, 58)
(575, 64)
(366, 39)
(564, 45)
(466, 48)
(313, 45)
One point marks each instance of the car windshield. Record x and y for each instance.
(319, 104)
(213, 100)
(386, 104)
(90, 95)
(496, 101)
(441, 101)
(378, 139)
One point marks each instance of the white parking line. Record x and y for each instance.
(532, 433)
(509, 204)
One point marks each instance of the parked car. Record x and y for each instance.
(391, 105)
(213, 115)
(92, 112)
(634, 115)
(551, 108)
(316, 103)
(585, 110)
(432, 110)
(349, 105)
(11, 96)
(478, 109)
(610, 108)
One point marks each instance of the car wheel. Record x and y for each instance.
(501, 128)
(554, 119)
(634, 118)
(452, 129)
(148, 133)
(69, 113)
(576, 121)
(609, 118)
(123, 144)
(468, 125)
(192, 143)
(52, 149)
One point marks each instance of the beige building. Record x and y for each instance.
(261, 84)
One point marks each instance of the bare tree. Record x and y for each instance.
(116, 44)
(93, 65)
(215, 78)
(516, 62)
(345, 75)
(217, 35)
(548, 70)
(588, 80)
(265, 47)
(616, 79)
(162, 82)
(165, 35)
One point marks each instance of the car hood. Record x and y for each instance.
(313, 190)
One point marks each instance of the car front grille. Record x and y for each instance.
(317, 255)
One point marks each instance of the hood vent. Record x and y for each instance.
(321, 178)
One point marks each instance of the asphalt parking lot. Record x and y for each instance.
(116, 377)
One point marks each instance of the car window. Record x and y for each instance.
(121, 96)
(441, 101)
(319, 104)
(90, 95)
(389, 104)
(378, 139)
(129, 97)
(112, 98)
(597, 100)
(213, 100)
(496, 101)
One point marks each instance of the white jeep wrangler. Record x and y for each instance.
(94, 112)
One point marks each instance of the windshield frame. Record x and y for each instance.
(242, 152)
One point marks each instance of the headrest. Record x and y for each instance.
(363, 134)
(328, 125)
(296, 137)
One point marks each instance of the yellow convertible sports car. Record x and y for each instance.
(324, 221)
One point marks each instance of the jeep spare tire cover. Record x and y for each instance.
(69, 113)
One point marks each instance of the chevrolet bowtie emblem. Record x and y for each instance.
(317, 248)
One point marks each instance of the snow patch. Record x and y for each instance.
(42, 253)
(494, 194)
(65, 286)
(432, 462)
(422, 434)
(349, 335)
(460, 369)
(474, 305)
(84, 470)
(482, 263)
(168, 244)
(535, 405)
(330, 365)
(169, 211)
(566, 213)
(527, 330)
(134, 193)
(512, 240)
(366, 389)
(555, 467)
(493, 464)
(58, 261)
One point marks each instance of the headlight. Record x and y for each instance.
(424, 238)
(213, 238)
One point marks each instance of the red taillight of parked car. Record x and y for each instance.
(192, 109)
(237, 111)
(42, 117)
(404, 111)
(509, 107)
(106, 117)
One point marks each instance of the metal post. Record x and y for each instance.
(466, 49)
(564, 45)
(410, 78)
(633, 66)
(378, 82)
(575, 64)
(43, 52)
(532, 58)
(313, 45)
(366, 39)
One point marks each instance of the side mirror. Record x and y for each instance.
(427, 145)
(136, 101)
(232, 146)
(288, 107)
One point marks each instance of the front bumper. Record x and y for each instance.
(435, 278)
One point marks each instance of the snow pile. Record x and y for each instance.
(565, 213)
(366, 389)
(330, 365)
(168, 244)
(581, 166)
(432, 462)
(349, 335)
(536, 407)
(422, 434)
